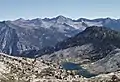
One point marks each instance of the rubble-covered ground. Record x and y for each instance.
(19, 69)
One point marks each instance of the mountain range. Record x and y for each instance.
(22, 37)
(61, 49)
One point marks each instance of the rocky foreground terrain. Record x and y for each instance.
(16, 69)
(19, 69)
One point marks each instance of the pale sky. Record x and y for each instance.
(29, 9)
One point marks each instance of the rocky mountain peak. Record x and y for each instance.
(20, 20)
